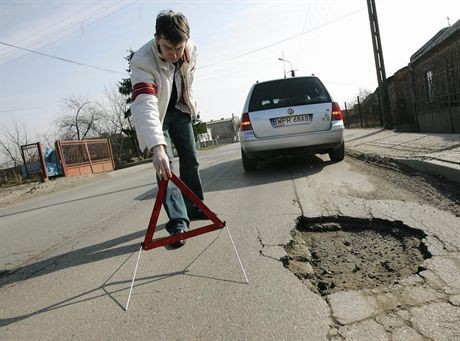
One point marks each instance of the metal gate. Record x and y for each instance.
(85, 157)
(34, 162)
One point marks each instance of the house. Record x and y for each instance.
(425, 95)
(224, 130)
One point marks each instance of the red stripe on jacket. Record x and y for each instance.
(144, 88)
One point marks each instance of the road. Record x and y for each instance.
(69, 259)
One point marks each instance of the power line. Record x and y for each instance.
(58, 31)
(62, 59)
(68, 27)
(203, 67)
(42, 39)
(46, 29)
(283, 40)
(21, 109)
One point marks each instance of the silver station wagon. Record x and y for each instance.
(290, 116)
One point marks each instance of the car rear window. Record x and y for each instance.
(288, 92)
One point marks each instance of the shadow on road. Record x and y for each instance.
(221, 176)
(108, 288)
(93, 253)
(72, 201)
(231, 175)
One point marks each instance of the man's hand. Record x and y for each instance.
(161, 162)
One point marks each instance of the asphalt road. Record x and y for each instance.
(74, 253)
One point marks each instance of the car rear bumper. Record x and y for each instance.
(316, 142)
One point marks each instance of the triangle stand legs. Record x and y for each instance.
(134, 277)
(237, 255)
(149, 243)
(139, 256)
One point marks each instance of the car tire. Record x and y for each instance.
(248, 164)
(337, 155)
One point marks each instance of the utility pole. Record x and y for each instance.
(360, 112)
(284, 69)
(346, 115)
(380, 66)
(282, 59)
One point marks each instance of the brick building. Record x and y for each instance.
(435, 80)
(224, 130)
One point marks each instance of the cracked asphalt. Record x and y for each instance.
(69, 257)
(332, 254)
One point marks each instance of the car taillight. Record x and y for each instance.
(336, 112)
(245, 122)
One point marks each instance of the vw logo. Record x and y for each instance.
(290, 111)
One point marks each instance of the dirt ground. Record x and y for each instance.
(408, 185)
(15, 194)
(336, 254)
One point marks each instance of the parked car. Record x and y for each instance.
(290, 116)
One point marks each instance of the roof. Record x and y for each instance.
(222, 120)
(438, 38)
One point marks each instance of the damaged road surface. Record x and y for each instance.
(333, 251)
(380, 249)
(333, 254)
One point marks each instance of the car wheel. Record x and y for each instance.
(337, 155)
(248, 164)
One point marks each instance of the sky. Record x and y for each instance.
(239, 43)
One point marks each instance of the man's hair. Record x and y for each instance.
(172, 27)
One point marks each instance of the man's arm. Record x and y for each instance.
(146, 118)
(189, 70)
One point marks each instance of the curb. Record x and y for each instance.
(433, 167)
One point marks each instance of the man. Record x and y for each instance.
(163, 108)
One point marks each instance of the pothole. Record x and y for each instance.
(332, 254)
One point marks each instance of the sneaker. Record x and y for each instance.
(179, 243)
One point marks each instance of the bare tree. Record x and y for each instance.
(80, 119)
(47, 138)
(364, 93)
(13, 136)
(114, 121)
(117, 124)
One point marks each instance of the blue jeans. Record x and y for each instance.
(178, 130)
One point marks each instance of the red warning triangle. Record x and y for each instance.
(150, 243)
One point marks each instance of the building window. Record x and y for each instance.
(429, 86)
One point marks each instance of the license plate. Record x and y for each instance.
(291, 120)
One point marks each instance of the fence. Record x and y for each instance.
(11, 176)
(364, 114)
(34, 162)
(85, 157)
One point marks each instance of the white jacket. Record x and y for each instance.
(152, 82)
